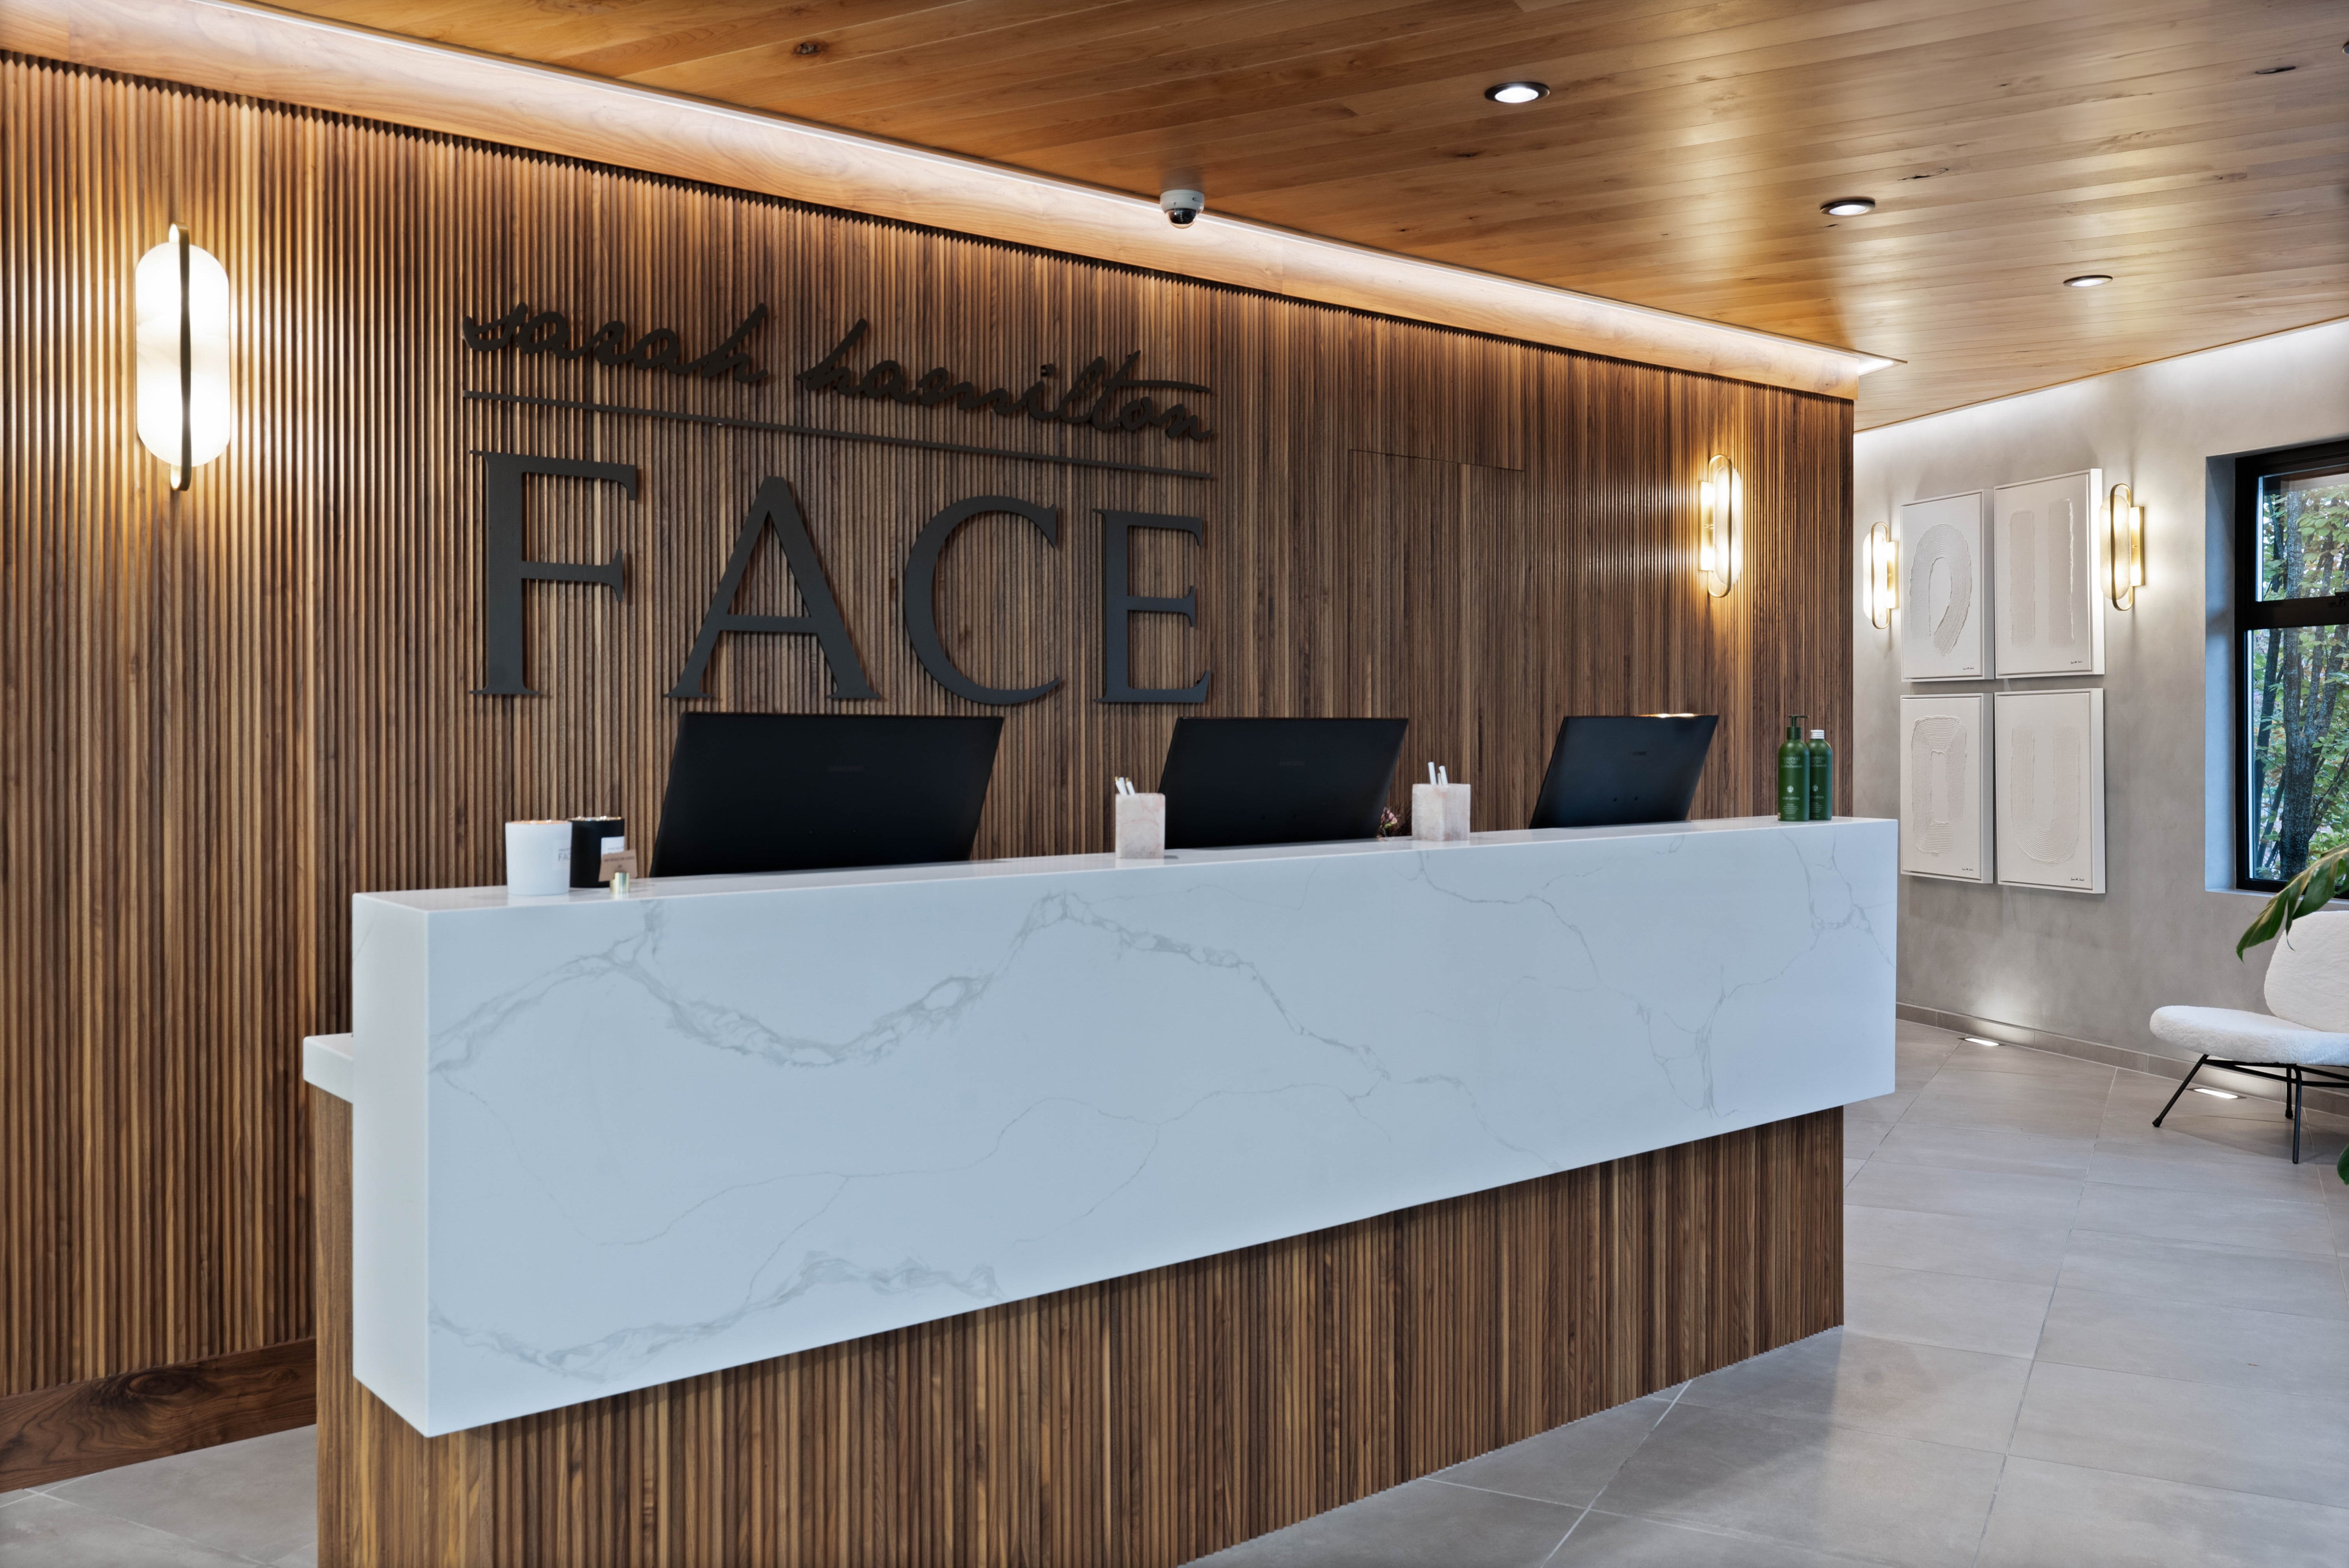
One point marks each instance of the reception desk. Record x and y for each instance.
(605, 1151)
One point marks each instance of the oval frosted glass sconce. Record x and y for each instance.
(2125, 552)
(181, 292)
(1721, 528)
(1883, 575)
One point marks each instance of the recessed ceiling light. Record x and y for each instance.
(1517, 92)
(2276, 70)
(2088, 280)
(2216, 1093)
(1849, 206)
(1978, 1040)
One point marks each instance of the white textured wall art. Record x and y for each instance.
(1944, 590)
(1945, 787)
(2050, 800)
(2047, 536)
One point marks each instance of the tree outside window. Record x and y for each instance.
(2292, 658)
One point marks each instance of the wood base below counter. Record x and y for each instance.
(1141, 1421)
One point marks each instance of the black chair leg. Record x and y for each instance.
(2181, 1086)
(2295, 1096)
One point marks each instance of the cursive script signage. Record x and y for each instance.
(525, 331)
(1097, 395)
(1100, 395)
(775, 514)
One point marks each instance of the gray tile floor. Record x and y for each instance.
(229, 1507)
(2071, 1340)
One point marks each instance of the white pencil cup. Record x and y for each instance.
(1439, 813)
(1141, 827)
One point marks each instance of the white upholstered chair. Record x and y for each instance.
(2306, 1030)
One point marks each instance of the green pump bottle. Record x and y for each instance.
(1794, 774)
(1822, 777)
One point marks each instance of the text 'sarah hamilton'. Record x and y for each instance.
(1099, 396)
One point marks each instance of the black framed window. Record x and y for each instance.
(2291, 660)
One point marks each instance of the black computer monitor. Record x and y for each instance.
(1612, 769)
(794, 792)
(1231, 781)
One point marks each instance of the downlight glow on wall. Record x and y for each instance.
(180, 295)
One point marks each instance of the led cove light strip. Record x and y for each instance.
(275, 55)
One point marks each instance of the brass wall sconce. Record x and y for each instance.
(1883, 575)
(1721, 528)
(2125, 552)
(180, 295)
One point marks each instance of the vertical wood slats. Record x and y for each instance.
(1141, 1421)
(222, 712)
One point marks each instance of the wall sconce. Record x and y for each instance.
(2125, 526)
(181, 292)
(1721, 528)
(1883, 575)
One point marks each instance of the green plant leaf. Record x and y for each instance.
(2321, 883)
(2263, 926)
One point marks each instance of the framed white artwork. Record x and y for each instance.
(1945, 787)
(2049, 617)
(1944, 590)
(2049, 756)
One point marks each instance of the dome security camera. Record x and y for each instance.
(1182, 206)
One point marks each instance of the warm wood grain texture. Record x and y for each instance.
(1142, 1421)
(1679, 161)
(255, 49)
(227, 710)
(52, 1434)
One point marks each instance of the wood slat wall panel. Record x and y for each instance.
(1141, 1421)
(227, 710)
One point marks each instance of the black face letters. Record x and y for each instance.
(775, 510)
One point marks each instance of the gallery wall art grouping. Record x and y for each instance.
(2003, 584)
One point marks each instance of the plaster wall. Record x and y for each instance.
(2093, 967)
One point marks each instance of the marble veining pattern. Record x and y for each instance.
(653, 1137)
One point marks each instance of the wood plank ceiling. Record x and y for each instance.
(1679, 160)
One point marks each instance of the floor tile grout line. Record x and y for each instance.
(2329, 1401)
(1977, 1170)
(1805, 1418)
(2201, 1305)
(1723, 1532)
(2183, 1242)
(142, 1524)
(1645, 1437)
(2182, 1485)
(2157, 1477)
(1560, 1544)
(1981, 1536)
(1499, 1491)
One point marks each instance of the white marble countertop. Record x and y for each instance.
(602, 1143)
(435, 900)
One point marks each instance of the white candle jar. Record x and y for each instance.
(538, 859)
